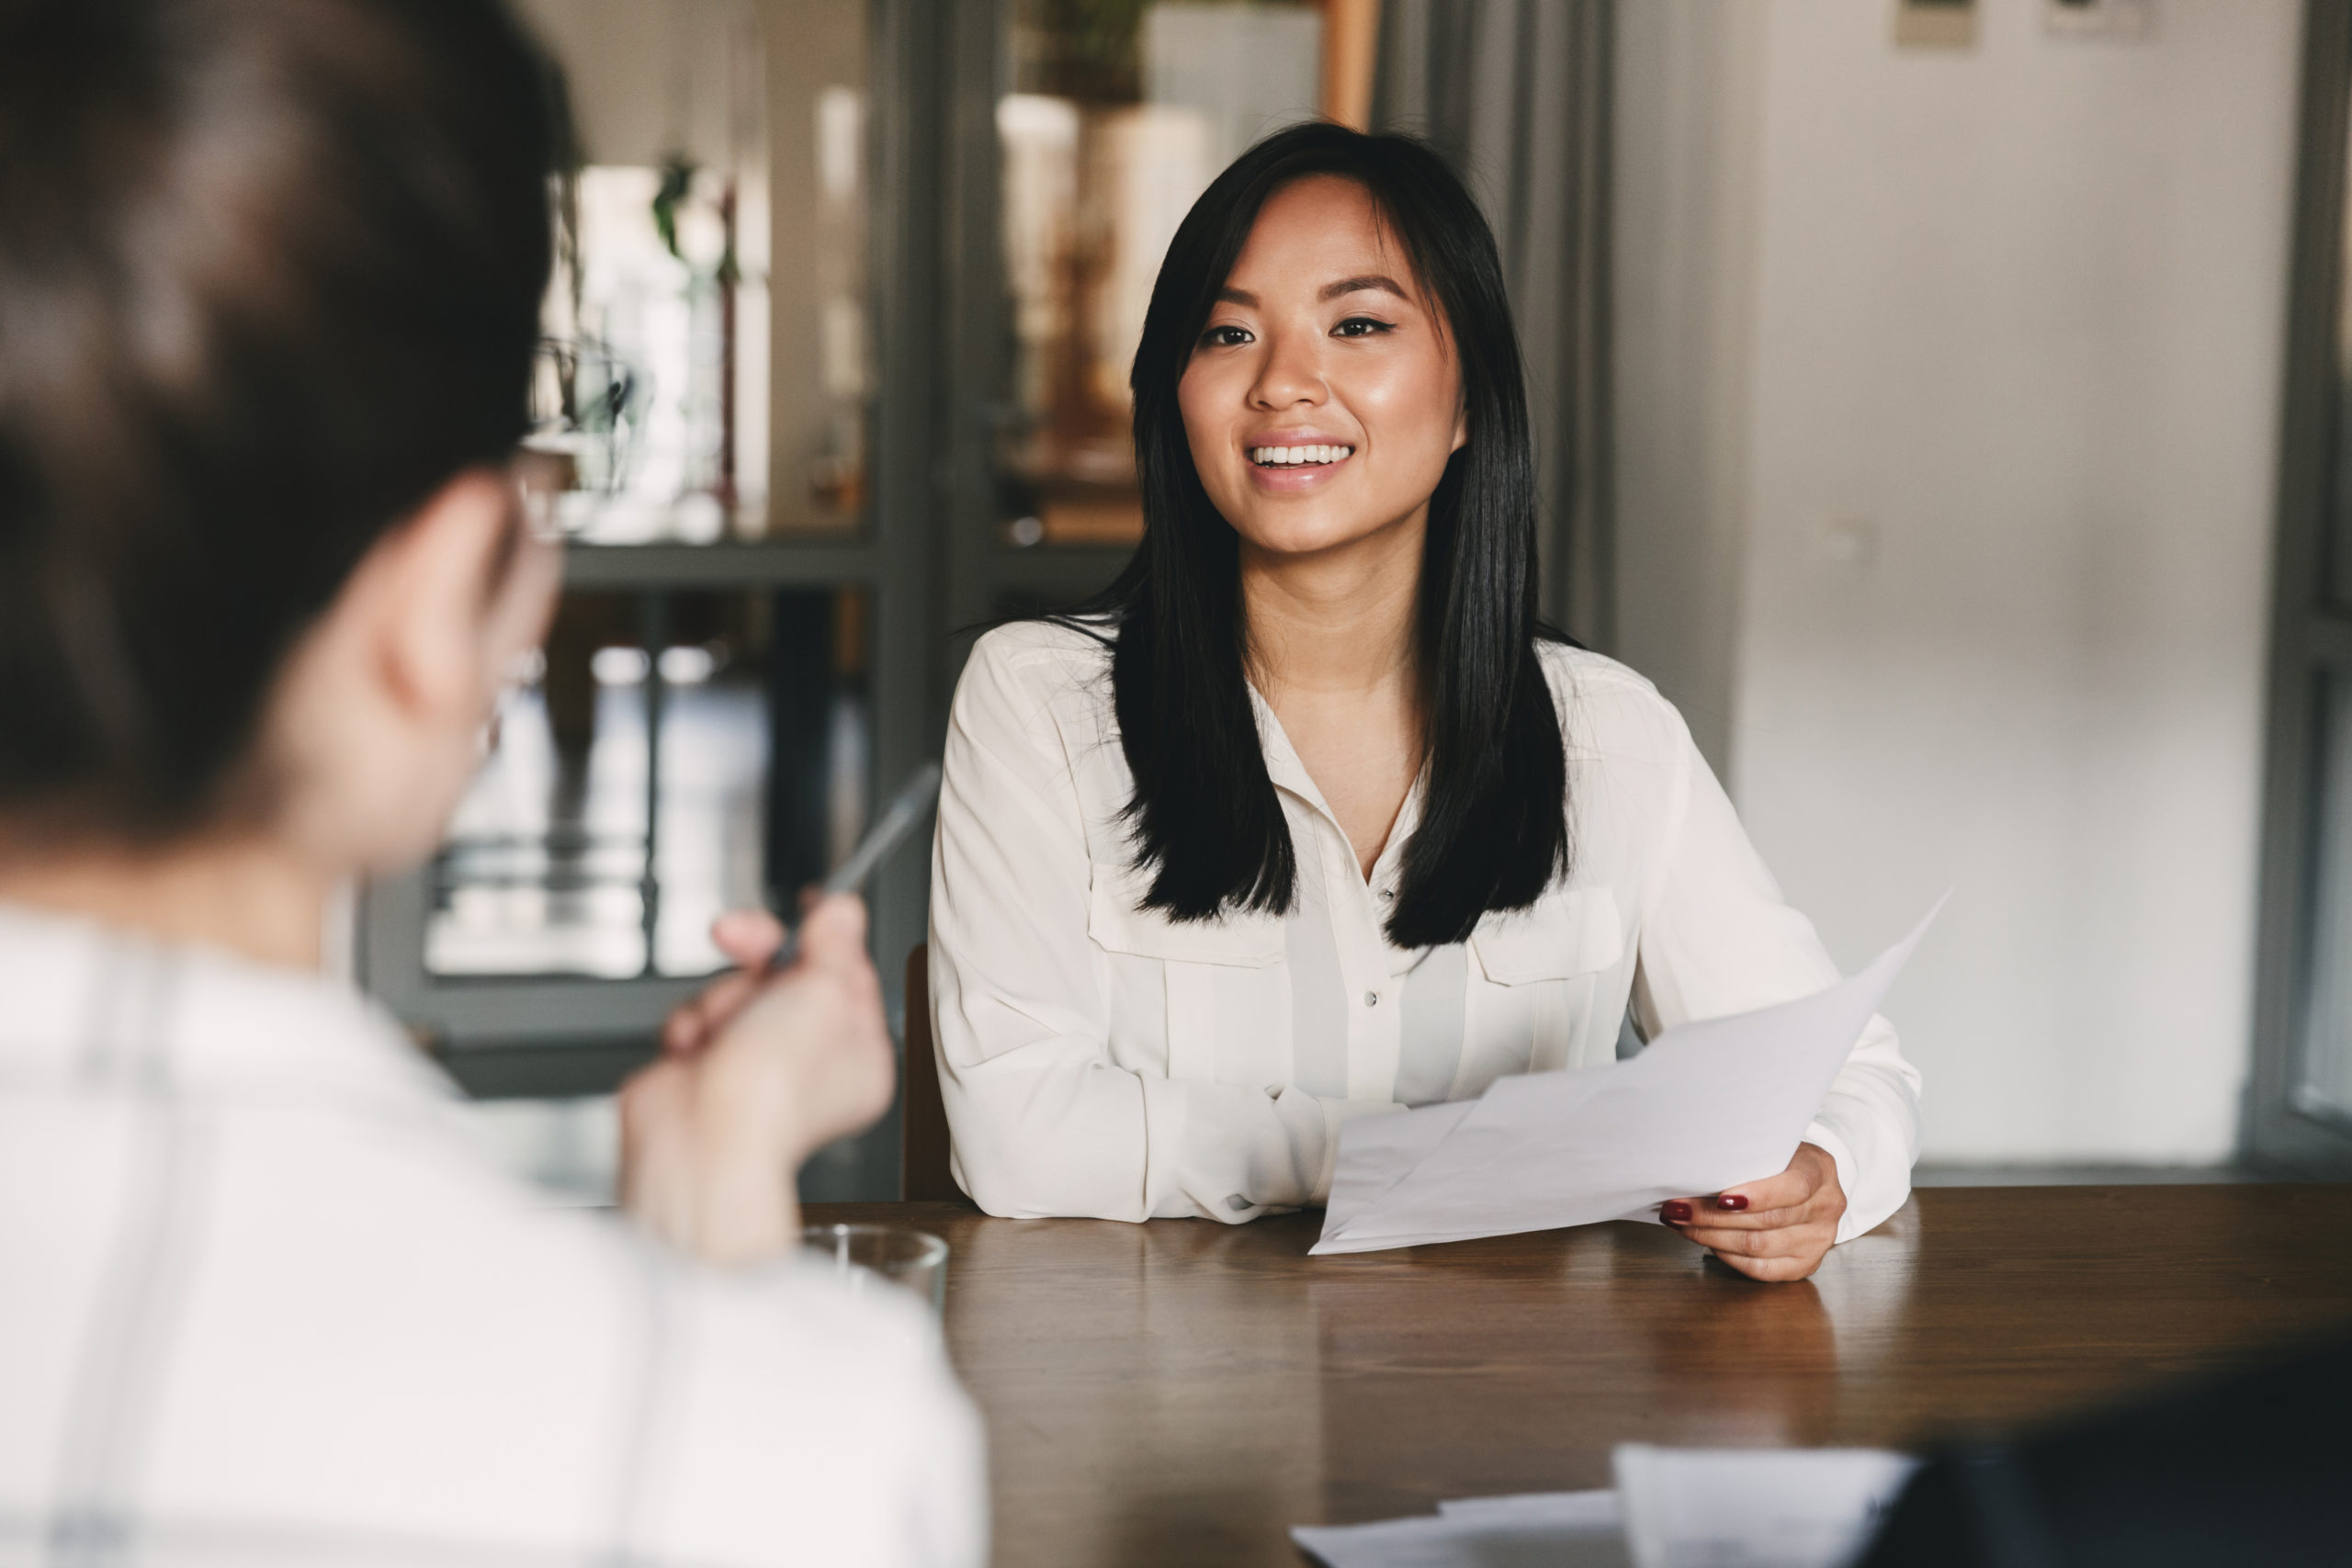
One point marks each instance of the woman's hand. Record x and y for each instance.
(755, 1075)
(1779, 1228)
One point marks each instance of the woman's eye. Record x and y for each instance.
(1225, 337)
(1360, 326)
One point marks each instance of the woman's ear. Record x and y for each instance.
(376, 722)
(430, 594)
(1461, 428)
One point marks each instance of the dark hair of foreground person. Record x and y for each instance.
(1493, 830)
(270, 273)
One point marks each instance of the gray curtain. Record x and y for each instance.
(1515, 94)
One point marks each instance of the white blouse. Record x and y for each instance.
(1099, 1059)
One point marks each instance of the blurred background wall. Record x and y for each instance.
(1946, 424)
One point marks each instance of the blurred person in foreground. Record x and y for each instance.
(2250, 1467)
(269, 280)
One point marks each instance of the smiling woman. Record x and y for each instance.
(1308, 817)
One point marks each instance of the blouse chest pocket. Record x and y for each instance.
(1218, 976)
(1571, 932)
(1219, 984)
(1551, 1009)
(1118, 924)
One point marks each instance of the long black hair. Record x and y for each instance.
(1204, 819)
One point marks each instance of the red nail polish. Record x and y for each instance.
(1734, 1202)
(1676, 1212)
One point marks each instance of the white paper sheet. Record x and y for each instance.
(1705, 1106)
(1595, 1513)
(1671, 1508)
(1544, 1529)
(1754, 1507)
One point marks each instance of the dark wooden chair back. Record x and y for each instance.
(922, 1125)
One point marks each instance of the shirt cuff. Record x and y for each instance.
(1163, 1142)
(1865, 1211)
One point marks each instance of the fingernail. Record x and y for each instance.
(1676, 1212)
(1732, 1200)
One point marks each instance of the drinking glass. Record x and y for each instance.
(862, 1254)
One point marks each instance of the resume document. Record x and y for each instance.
(1705, 1106)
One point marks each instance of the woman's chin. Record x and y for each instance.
(1300, 544)
(1300, 532)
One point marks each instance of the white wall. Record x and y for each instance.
(1683, 231)
(2003, 330)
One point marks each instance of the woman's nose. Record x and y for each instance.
(1290, 374)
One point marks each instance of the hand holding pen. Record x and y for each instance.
(902, 816)
(769, 1063)
(763, 947)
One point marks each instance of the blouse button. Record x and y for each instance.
(1371, 999)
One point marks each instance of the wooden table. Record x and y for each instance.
(1184, 1392)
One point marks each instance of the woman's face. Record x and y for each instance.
(1322, 400)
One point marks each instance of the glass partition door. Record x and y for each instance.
(739, 652)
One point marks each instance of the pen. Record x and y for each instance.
(897, 820)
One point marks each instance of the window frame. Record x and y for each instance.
(2310, 639)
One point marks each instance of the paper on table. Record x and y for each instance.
(1377, 1152)
(1544, 1529)
(1594, 1512)
(1705, 1106)
(1754, 1507)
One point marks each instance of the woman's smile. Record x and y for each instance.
(1289, 462)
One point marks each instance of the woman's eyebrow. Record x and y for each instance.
(1357, 285)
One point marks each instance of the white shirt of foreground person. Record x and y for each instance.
(262, 1303)
(1097, 1058)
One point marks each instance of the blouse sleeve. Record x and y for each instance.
(1044, 1122)
(1717, 938)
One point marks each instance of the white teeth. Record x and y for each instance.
(1277, 457)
